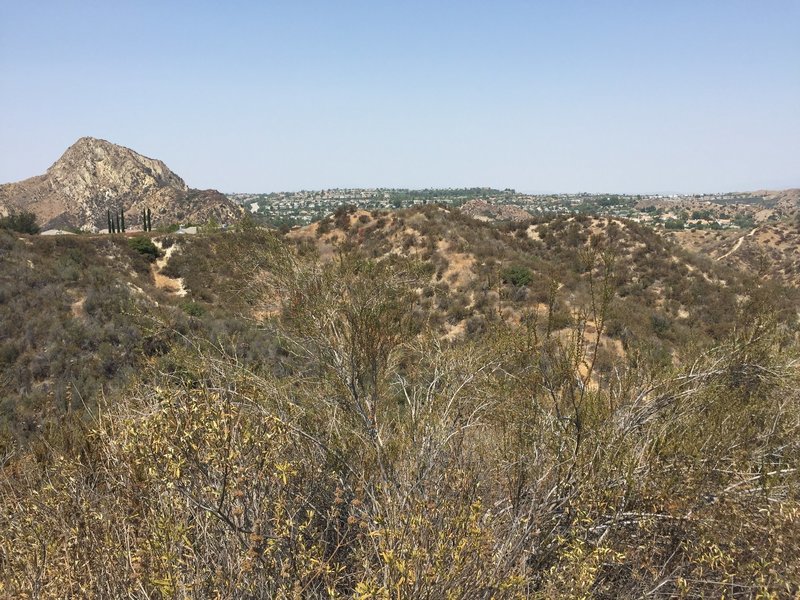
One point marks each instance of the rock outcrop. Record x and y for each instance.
(94, 176)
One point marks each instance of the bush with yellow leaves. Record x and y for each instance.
(398, 465)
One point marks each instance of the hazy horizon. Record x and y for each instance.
(618, 97)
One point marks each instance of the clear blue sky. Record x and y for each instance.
(637, 96)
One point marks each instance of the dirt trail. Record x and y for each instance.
(168, 284)
(77, 308)
(738, 244)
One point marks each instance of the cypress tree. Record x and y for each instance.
(149, 221)
(122, 219)
(110, 226)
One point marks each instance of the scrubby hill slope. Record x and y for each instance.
(75, 298)
(340, 441)
(81, 315)
(665, 296)
(66, 305)
(768, 251)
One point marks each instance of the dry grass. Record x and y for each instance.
(395, 465)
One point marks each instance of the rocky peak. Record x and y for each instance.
(93, 166)
(94, 176)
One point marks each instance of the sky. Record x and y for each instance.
(641, 96)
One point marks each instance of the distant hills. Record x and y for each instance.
(94, 176)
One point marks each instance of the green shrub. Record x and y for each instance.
(674, 224)
(21, 222)
(661, 324)
(518, 276)
(192, 308)
(145, 247)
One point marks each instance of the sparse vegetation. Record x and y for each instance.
(348, 415)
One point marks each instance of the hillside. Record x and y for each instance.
(784, 203)
(93, 295)
(768, 250)
(82, 314)
(94, 176)
(410, 404)
(480, 209)
(664, 295)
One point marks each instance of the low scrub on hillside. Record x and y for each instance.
(666, 298)
(386, 462)
(67, 330)
(76, 319)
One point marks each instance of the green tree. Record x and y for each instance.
(22, 222)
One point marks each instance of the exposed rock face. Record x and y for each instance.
(94, 176)
(480, 209)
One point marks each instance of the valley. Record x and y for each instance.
(433, 399)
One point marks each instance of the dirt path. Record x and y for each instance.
(168, 284)
(738, 244)
(77, 308)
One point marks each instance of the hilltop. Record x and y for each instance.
(94, 176)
